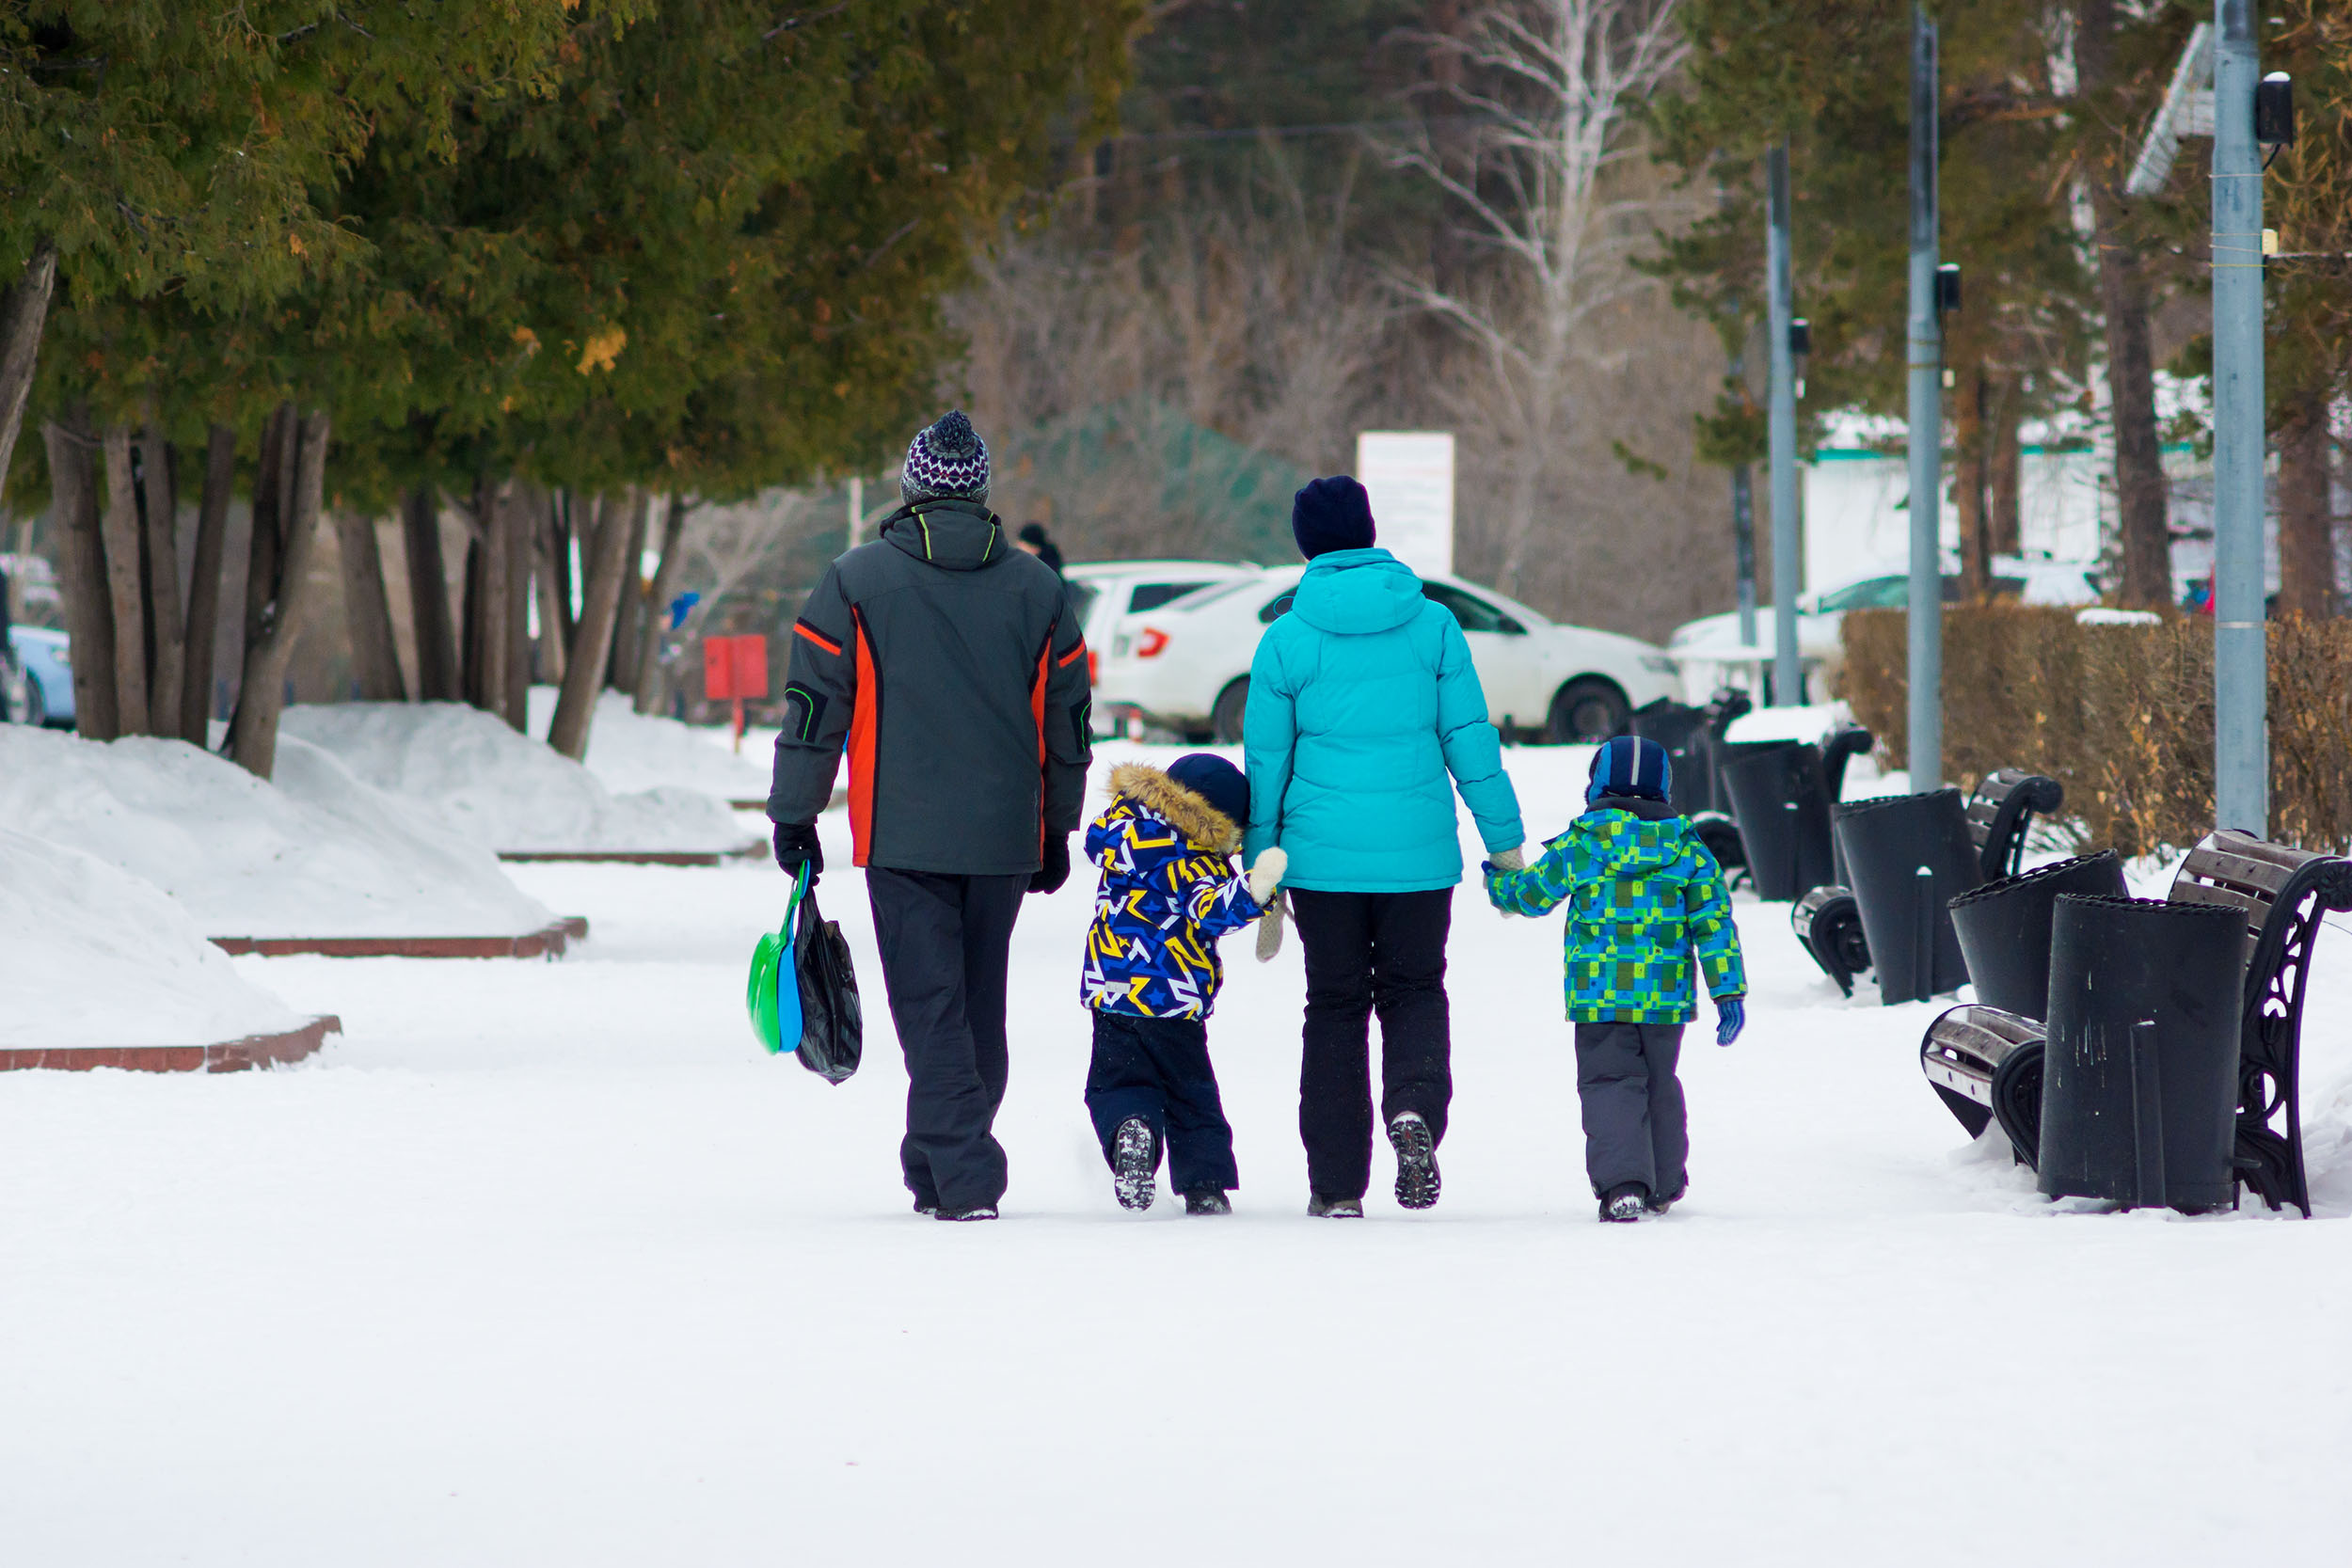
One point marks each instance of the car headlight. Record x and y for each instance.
(1661, 664)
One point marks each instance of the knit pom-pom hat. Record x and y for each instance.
(945, 458)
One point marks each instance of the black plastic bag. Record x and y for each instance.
(833, 1023)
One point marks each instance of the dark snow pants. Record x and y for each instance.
(944, 941)
(1367, 953)
(1158, 1068)
(1635, 1129)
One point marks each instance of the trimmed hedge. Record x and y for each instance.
(2122, 716)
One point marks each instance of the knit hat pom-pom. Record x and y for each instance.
(945, 458)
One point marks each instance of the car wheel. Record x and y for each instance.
(1225, 716)
(36, 710)
(1586, 711)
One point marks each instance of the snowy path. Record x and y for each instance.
(544, 1263)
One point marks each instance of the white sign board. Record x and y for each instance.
(1410, 476)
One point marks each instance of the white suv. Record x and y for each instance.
(1186, 667)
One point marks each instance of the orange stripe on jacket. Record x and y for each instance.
(1073, 655)
(864, 720)
(1037, 716)
(804, 630)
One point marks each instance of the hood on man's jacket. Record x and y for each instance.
(947, 531)
(1358, 592)
(1181, 809)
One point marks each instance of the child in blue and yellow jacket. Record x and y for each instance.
(1646, 909)
(1169, 892)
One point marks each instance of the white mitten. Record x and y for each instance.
(1270, 932)
(1266, 874)
(1508, 859)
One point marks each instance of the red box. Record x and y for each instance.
(735, 667)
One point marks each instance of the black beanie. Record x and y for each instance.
(1216, 781)
(1332, 515)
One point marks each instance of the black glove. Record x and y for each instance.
(1055, 871)
(797, 845)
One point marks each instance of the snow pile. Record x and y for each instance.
(629, 750)
(1810, 722)
(502, 789)
(317, 854)
(95, 956)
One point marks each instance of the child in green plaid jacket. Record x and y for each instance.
(1647, 912)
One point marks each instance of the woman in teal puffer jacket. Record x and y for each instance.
(1365, 715)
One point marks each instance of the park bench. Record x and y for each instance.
(1986, 1064)
(1828, 922)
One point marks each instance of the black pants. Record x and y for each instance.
(1158, 1068)
(1367, 953)
(1635, 1129)
(944, 941)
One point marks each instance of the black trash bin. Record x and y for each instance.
(2140, 1080)
(2004, 928)
(1682, 731)
(1781, 801)
(1908, 856)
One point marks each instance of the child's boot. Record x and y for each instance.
(1135, 1160)
(1625, 1202)
(1207, 1200)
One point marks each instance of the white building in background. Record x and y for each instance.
(1857, 515)
(1409, 476)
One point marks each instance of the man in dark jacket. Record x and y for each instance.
(947, 662)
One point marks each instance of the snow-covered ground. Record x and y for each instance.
(548, 1263)
(502, 789)
(313, 853)
(92, 955)
(630, 751)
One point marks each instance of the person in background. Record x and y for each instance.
(1646, 908)
(1365, 715)
(948, 664)
(1034, 539)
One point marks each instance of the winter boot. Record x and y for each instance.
(977, 1211)
(1624, 1203)
(1135, 1159)
(1322, 1208)
(1208, 1200)
(1416, 1161)
(1660, 1205)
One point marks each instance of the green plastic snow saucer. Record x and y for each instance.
(772, 993)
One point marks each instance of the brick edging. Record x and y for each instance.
(228, 1056)
(548, 941)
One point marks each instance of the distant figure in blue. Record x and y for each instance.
(1365, 715)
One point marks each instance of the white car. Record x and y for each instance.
(1186, 667)
(1108, 594)
(1712, 653)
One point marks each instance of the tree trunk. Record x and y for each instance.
(272, 503)
(607, 565)
(23, 310)
(204, 584)
(485, 601)
(159, 498)
(658, 609)
(82, 576)
(428, 596)
(550, 579)
(627, 639)
(2307, 546)
(2139, 487)
(2006, 459)
(253, 732)
(1968, 476)
(511, 692)
(118, 528)
(369, 607)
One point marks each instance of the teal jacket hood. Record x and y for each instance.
(1355, 592)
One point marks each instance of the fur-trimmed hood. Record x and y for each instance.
(1180, 808)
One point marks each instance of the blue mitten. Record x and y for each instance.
(1731, 1016)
